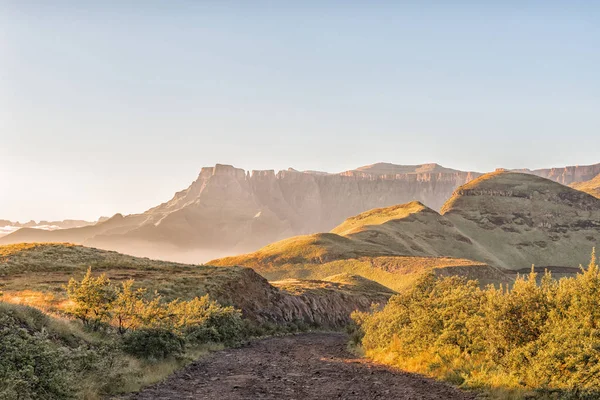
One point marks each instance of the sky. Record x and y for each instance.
(113, 106)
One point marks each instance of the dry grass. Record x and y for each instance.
(47, 267)
(344, 283)
(591, 187)
(378, 216)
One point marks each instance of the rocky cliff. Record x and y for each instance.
(227, 210)
(227, 207)
(505, 220)
(566, 175)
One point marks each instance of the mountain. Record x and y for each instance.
(501, 221)
(7, 227)
(394, 169)
(566, 175)
(388, 245)
(228, 210)
(591, 187)
(523, 219)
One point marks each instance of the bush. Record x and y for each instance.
(98, 302)
(153, 343)
(31, 366)
(42, 358)
(543, 337)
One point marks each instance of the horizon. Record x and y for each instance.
(110, 215)
(110, 108)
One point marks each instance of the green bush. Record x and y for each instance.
(543, 337)
(153, 343)
(43, 358)
(97, 302)
(31, 366)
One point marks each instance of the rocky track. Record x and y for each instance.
(303, 367)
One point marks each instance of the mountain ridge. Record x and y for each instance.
(228, 210)
(503, 219)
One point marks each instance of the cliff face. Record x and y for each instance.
(567, 175)
(228, 208)
(317, 303)
(504, 219)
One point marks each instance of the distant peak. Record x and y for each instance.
(384, 168)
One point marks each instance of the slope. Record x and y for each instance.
(591, 187)
(36, 272)
(523, 219)
(391, 246)
(228, 210)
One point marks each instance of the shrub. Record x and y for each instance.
(153, 343)
(43, 358)
(31, 366)
(92, 298)
(200, 320)
(544, 336)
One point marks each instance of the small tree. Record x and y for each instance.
(92, 298)
(127, 307)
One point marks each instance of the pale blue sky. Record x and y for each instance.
(114, 106)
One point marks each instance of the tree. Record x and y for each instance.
(92, 299)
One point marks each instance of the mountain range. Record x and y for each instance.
(498, 223)
(227, 210)
(7, 227)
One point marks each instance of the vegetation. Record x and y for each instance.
(378, 216)
(592, 186)
(48, 358)
(541, 339)
(123, 335)
(100, 304)
(394, 272)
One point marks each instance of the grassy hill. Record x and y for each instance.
(500, 221)
(35, 274)
(522, 219)
(591, 187)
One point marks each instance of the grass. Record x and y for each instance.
(378, 216)
(393, 272)
(46, 267)
(591, 187)
(341, 283)
(502, 221)
(33, 278)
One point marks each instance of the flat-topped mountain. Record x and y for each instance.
(394, 169)
(566, 175)
(227, 210)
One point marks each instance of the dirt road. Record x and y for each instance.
(303, 367)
